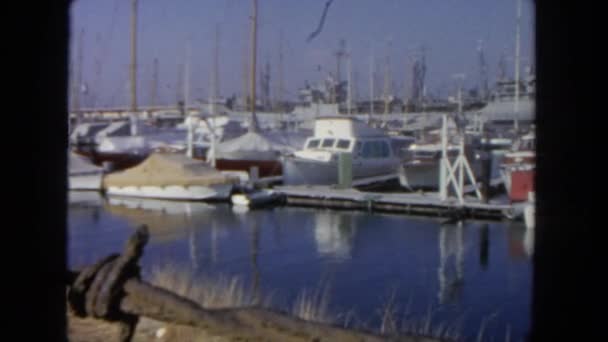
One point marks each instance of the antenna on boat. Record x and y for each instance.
(253, 125)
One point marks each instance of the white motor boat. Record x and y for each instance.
(83, 174)
(370, 150)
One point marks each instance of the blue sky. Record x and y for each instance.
(450, 30)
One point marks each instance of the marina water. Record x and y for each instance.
(472, 274)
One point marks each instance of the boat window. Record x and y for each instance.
(328, 142)
(367, 150)
(385, 151)
(313, 143)
(343, 144)
(375, 149)
(358, 145)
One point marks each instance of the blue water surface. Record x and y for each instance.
(462, 274)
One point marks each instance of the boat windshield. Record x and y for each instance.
(328, 143)
(425, 154)
(343, 144)
(313, 143)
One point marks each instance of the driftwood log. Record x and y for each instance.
(112, 290)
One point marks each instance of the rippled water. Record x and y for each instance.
(470, 272)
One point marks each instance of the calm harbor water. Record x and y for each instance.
(468, 273)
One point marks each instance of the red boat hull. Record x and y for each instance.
(266, 168)
(522, 182)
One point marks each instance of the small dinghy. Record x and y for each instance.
(255, 198)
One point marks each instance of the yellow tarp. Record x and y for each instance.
(165, 169)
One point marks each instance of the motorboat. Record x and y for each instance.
(334, 138)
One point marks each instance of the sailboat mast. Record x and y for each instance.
(371, 84)
(187, 78)
(133, 66)
(215, 78)
(387, 82)
(154, 90)
(517, 65)
(77, 81)
(349, 81)
(254, 24)
(281, 85)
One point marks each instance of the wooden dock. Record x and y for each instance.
(427, 204)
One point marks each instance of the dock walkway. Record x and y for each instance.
(428, 204)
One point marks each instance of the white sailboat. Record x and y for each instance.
(255, 149)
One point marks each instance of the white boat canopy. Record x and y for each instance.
(166, 169)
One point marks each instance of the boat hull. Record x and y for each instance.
(85, 182)
(298, 171)
(174, 192)
(519, 182)
(266, 168)
(419, 176)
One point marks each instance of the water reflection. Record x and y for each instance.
(334, 234)
(521, 241)
(286, 249)
(484, 246)
(254, 251)
(529, 242)
(451, 262)
(166, 220)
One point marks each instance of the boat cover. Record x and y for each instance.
(165, 169)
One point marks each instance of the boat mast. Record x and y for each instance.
(281, 85)
(189, 152)
(154, 89)
(349, 81)
(516, 123)
(215, 78)
(133, 65)
(253, 126)
(371, 84)
(387, 82)
(78, 85)
(187, 78)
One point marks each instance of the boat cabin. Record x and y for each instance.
(335, 135)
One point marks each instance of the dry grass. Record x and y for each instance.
(221, 292)
(314, 306)
(212, 293)
(224, 292)
(415, 325)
